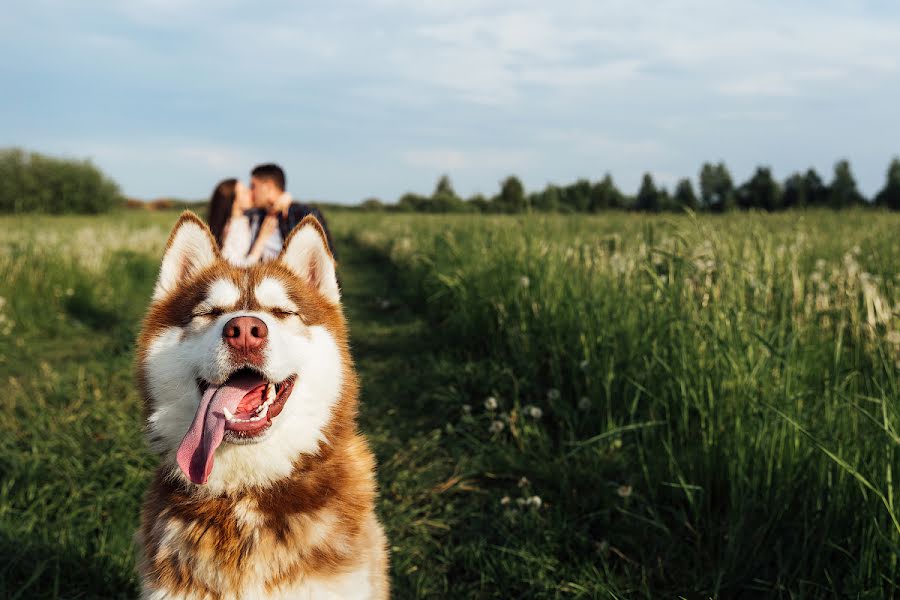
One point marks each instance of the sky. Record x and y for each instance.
(376, 98)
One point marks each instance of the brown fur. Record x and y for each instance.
(318, 522)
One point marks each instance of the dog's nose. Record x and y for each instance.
(245, 333)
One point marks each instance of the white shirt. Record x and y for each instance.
(239, 239)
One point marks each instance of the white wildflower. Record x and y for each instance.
(496, 426)
(523, 481)
(624, 491)
(534, 501)
(584, 403)
(490, 403)
(70, 292)
(553, 394)
(467, 409)
(584, 364)
(532, 411)
(504, 500)
(524, 281)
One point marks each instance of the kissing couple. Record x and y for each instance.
(250, 224)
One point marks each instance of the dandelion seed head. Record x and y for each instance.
(490, 403)
(524, 281)
(496, 426)
(584, 364)
(624, 491)
(532, 411)
(505, 500)
(584, 403)
(467, 409)
(553, 394)
(523, 481)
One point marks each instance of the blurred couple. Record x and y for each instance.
(251, 224)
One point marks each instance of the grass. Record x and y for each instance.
(705, 407)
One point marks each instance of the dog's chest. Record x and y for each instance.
(237, 551)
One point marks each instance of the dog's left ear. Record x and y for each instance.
(306, 253)
(191, 249)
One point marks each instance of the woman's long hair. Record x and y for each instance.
(220, 208)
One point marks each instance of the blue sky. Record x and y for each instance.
(380, 97)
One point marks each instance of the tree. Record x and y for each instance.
(716, 187)
(548, 200)
(372, 204)
(842, 192)
(412, 202)
(478, 203)
(648, 195)
(760, 191)
(889, 196)
(794, 195)
(512, 195)
(814, 190)
(577, 196)
(684, 195)
(444, 198)
(604, 194)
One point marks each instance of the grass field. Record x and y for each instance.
(612, 406)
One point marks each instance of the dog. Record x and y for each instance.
(265, 489)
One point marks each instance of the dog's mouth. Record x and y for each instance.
(256, 408)
(239, 410)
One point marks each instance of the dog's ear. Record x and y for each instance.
(306, 253)
(191, 249)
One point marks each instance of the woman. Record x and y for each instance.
(230, 226)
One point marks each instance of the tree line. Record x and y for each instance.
(717, 193)
(32, 182)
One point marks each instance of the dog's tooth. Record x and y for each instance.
(265, 411)
(228, 414)
(271, 393)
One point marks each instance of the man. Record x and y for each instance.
(275, 213)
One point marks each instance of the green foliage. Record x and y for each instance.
(761, 192)
(512, 195)
(648, 198)
(716, 401)
(717, 409)
(31, 182)
(716, 187)
(842, 192)
(717, 194)
(889, 196)
(605, 195)
(685, 196)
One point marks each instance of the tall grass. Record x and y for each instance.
(720, 395)
(618, 406)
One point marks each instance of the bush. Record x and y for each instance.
(32, 182)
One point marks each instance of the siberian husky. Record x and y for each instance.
(265, 488)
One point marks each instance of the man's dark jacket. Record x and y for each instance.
(295, 214)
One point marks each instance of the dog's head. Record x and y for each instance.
(244, 370)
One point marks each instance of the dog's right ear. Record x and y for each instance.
(191, 249)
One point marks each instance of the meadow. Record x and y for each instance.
(617, 406)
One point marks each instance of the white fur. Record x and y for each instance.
(223, 294)
(308, 257)
(270, 293)
(177, 357)
(355, 585)
(190, 252)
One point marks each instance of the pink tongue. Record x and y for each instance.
(195, 454)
